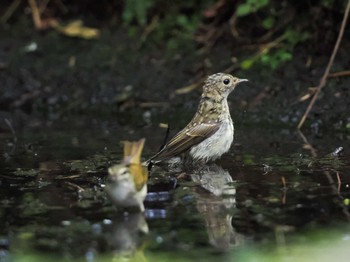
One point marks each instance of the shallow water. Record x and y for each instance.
(273, 193)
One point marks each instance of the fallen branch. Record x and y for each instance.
(36, 14)
(9, 12)
(9, 124)
(307, 145)
(339, 74)
(79, 188)
(199, 83)
(328, 68)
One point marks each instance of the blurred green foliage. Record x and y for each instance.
(251, 6)
(135, 9)
(288, 21)
(190, 25)
(163, 23)
(278, 56)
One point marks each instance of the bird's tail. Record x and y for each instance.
(133, 151)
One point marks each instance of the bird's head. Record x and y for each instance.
(131, 169)
(119, 173)
(221, 83)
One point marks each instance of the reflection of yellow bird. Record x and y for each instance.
(127, 182)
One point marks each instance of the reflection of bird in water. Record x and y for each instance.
(216, 180)
(126, 183)
(124, 238)
(216, 207)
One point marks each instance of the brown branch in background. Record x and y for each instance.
(307, 145)
(339, 74)
(336, 190)
(199, 83)
(149, 29)
(73, 185)
(9, 124)
(339, 181)
(189, 88)
(9, 12)
(35, 13)
(284, 183)
(330, 63)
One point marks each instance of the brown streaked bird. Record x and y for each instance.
(210, 132)
(126, 182)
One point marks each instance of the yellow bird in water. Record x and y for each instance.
(126, 183)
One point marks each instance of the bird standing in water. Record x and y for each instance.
(126, 183)
(210, 132)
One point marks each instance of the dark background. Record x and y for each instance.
(145, 50)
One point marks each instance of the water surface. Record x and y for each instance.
(276, 192)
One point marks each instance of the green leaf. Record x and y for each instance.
(244, 9)
(260, 3)
(137, 10)
(246, 64)
(182, 20)
(268, 22)
(285, 56)
(251, 6)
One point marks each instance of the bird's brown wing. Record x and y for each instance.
(183, 140)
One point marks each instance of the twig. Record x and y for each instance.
(337, 190)
(12, 129)
(263, 49)
(190, 88)
(153, 104)
(9, 12)
(339, 181)
(9, 124)
(149, 29)
(36, 14)
(341, 73)
(79, 188)
(328, 68)
(284, 183)
(68, 177)
(307, 144)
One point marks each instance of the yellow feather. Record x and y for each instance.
(140, 175)
(132, 157)
(133, 151)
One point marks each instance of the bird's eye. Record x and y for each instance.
(125, 172)
(226, 81)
